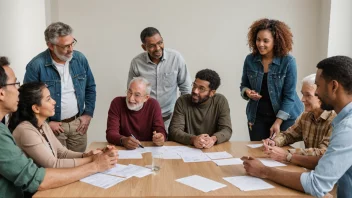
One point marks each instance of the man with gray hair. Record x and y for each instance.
(165, 69)
(313, 127)
(70, 82)
(135, 117)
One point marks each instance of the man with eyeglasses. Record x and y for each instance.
(19, 175)
(164, 68)
(202, 118)
(136, 117)
(70, 82)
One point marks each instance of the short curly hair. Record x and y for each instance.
(281, 33)
(337, 68)
(211, 76)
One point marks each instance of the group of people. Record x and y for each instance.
(52, 110)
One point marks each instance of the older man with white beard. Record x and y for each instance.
(136, 117)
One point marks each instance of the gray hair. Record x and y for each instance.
(148, 86)
(55, 30)
(310, 80)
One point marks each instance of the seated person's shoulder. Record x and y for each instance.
(219, 98)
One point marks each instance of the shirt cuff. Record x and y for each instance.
(283, 115)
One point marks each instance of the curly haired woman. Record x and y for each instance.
(269, 80)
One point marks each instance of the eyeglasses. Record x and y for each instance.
(153, 46)
(17, 84)
(200, 88)
(67, 47)
(137, 96)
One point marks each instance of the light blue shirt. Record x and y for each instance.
(336, 164)
(165, 77)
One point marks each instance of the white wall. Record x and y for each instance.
(340, 39)
(21, 32)
(208, 33)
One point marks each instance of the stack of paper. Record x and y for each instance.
(247, 183)
(201, 183)
(102, 180)
(130, 171)
(194, 157)
(255, 145)
(218, 155)
(129, 154)
(225, 162)
(271, 163)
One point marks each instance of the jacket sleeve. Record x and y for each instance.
(288, 90)
(90, 90)
(244, 80)
(32, 74)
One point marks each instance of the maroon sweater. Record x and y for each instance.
(142, 123)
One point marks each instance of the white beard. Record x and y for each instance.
(62, 57)
(134, 107)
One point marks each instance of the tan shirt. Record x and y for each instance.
(35, 146)
(314, 132)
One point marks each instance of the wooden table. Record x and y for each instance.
(163, 184)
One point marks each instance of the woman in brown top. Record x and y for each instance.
(33, 134)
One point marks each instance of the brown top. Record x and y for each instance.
(314, 132)
(35, 146)
(211, 117)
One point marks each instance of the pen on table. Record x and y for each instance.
(136, 139)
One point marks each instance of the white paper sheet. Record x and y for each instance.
(201, 183)
(126, 154)
(132, 170)
(115, 170)
(255, 145)
(247, 183)
(225, 162)
(171, 155)
(219, 155)
(270, 162)
(102, 180)
(191, 157)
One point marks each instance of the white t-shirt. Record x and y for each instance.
(69, 105)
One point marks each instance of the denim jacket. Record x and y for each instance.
(41, 68)
(282, 79)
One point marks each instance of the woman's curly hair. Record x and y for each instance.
(281, 33)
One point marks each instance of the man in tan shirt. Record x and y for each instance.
(313, 127)
(202, 118)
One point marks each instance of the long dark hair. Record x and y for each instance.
(30, 94)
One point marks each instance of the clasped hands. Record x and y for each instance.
(203, 141)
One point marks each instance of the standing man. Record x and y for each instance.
(70, 82)
(164, 68)
(334, 89)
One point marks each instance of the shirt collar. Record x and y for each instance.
(164, 57)
(276, 60)
(325, 115)
(343, 113)
(50, 61)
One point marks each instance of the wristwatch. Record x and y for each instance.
(288, 157)
(121, 141)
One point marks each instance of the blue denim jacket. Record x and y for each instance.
(282, 79)
(41, 68)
